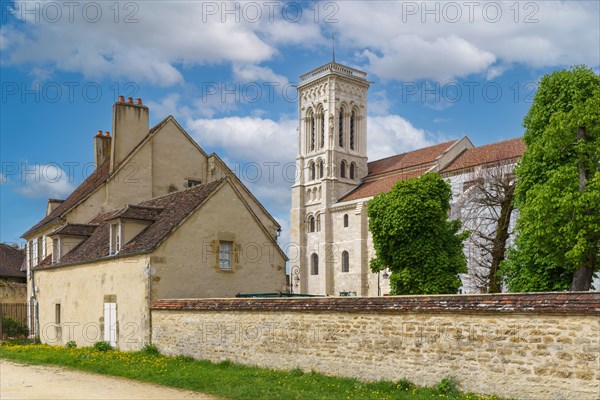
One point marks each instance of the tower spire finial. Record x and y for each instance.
(333, 46)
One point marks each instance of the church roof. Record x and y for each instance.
(384, 173)
(506, 150)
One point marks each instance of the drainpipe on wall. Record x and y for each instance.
(148, 272)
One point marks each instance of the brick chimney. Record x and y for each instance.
(130, 126)
(101, 148)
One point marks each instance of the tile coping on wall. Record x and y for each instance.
(555, 302)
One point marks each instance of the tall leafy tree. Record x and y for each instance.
(558, 187)
(413, 237)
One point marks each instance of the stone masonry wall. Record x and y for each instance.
(12, 292)
(526, 346)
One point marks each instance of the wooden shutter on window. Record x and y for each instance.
(214, 248)
(237, 249)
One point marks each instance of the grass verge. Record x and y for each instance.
(225, 379)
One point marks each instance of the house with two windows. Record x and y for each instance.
(158, 218)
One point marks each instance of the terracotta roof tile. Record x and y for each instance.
(132, 211)
(408, 160)
(382, 184)
(564, 302)
(75, 230)
(97, 178)
(11, 260)
(174, 208)
(491, 153)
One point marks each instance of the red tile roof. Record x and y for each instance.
(132, 211)
(168, 212)
(11, 260)
(75, 230)
(396, 168)
(97, 178)
(408, 160)
(382, 185)
(489, 154)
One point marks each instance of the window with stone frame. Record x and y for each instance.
(343, 169)
(345, 220)
(225, 255)
(314, 264)
(352, 129)
(345, 261)
(341, 128)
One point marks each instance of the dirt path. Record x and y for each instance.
(19, 381)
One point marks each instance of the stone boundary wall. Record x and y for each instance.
(12, 292)
(526, 346)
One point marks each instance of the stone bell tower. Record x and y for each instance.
(331, 160)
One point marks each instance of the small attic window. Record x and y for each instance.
(191, 183)
(115, 238)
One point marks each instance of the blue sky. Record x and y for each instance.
(440, 70)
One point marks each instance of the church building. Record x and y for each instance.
(328, 222)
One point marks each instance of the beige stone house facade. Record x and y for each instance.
(328, 222)
(158, 218)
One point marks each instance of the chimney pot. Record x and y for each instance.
(121, 99)
(107, 134)
(130, 100)
(139, 101)
(99, 133)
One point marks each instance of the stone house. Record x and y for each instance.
(328, 221)
(157, 218)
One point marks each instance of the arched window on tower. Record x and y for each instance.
(345, 262)
(311, 224)
(322, 130)
(314, 264)
(318, 223)
(352, 170)
(352, 129)
(311, 127)
(343, 169)
(345, 220)
(321, 169)
(341, 128)
(313, 174)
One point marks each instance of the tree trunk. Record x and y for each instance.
(499, 249)
(582, 278)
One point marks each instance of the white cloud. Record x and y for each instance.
(442, 59)
(391, 134)
(252, 73)
(44, 180)
(166, 35)
(248, 138)
(408, 43)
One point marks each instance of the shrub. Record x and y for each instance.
(102, 346)
(447, 386)
(405, 384)
(71, 344)
(150, 349)
(13, 328)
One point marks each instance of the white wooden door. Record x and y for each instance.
(110, 323)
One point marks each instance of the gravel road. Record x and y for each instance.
(19, 381)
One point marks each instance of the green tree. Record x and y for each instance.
(558, 187)
(413, 237)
